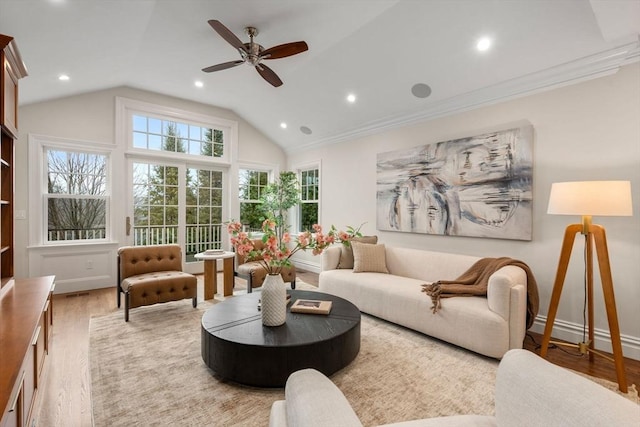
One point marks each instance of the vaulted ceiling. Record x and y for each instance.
(375, 49)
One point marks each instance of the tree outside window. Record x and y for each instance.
(77, 195)
(252, 186)
(152, 133)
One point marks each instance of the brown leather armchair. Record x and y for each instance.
(153, 274)
(252, 271)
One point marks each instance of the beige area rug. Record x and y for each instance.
(150, 372)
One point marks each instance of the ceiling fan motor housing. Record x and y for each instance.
(251, 54)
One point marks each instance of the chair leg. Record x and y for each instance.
(126, 306)
(118, 290)
(293, 284)
(249, 284)
(195, 302)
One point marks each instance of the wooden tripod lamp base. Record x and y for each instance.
(595, 233)
(586, 198)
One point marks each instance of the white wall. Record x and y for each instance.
(588, 131)
(91, 117)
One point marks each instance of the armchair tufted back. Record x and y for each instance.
(134, 260)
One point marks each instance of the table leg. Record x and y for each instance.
(227, 268)
(210, 279)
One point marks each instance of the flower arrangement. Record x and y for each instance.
(278, 249)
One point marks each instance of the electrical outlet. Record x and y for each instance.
(89, 264)
(20, 214)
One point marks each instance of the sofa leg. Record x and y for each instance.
(293, 284)
(195, 302)
(126, 306)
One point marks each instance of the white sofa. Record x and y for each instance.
(529, 392)
(487, 325)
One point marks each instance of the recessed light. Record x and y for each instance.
(420, 90)
(198, 83)
(351, 98)
(283, 125)
(63, 77)
(483, 44)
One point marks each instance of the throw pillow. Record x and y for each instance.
(369, 258)
(346, 254)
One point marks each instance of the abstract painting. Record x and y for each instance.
(479, 186)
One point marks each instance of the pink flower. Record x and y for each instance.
(278, 249)
(268, 224)
(233, 227)
(303, 239)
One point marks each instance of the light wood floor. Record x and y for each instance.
(66, 396)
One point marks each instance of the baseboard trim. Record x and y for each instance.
(572, 332)
(308, 266)
(83, 284)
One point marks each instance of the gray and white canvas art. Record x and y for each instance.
(479, 186)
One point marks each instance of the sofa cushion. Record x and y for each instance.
(369, 258)
(346, 252)
(464, 321)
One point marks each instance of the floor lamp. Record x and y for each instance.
(588, 198)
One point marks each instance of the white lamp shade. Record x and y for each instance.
(601, 198)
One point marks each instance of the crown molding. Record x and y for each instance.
(587, 68)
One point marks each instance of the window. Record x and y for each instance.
(179, 161)
(252, 185)
(204, 210)
(77, 195)
(150, 133)
(155, 204)
(310, 196)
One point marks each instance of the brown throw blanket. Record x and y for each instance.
(475, 280)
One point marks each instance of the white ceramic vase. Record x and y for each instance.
(274, 301)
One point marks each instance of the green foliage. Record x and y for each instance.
(281, 196)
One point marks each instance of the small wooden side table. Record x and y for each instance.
(211, 273)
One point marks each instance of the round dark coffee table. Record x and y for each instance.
(237, 347)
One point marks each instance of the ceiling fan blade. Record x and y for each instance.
(222, 66)
(269, 75)
(284, 50)
(226, 34)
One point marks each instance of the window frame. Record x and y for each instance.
(297, 216)
(39, 145)
(127, 108)
(270, 170)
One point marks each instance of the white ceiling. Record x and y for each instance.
(377, 49)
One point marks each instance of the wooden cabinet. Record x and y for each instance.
(13, 69)
(26, 315)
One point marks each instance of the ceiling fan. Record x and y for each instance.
(253, 54)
